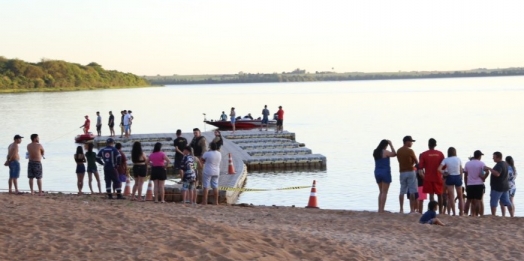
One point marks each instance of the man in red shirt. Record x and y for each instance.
(280, 119)
(86, 125)
(429, 163)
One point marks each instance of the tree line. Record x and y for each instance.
(18, 75)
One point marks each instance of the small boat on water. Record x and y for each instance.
(240, 124)
(82, 138)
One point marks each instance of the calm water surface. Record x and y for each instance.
(342, 120)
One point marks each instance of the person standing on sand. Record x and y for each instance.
(512, 175)
(383, 171)
(91, 167)
(280, 120)
(180, 143)
(98, 124)
(499, 184)
(140, 162)
(265, 118)
(198, 143)
(475, 173)
(429, 162)
(232, 116)
(454, 173)
(189, 176)
(159, 162)
(122, 166)
(110, 158)
(34, 167)
(111, 124)
(86, 125)
(80, 159)
(13, 161)
(408, 179)
(212, 160)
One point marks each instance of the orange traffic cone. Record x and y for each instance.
(149, 194)
(231, 169)
(127, 190)
(313, 196)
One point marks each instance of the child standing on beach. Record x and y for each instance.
(189, 177)
(430, 217)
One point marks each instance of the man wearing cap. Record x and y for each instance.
(13, 161)
(35, 153)
(475, 173)
(110, 158)
(180, 143)
(280, 119)
(98, 123)
(86, 125)
(408, 179)
(499, 185)
(429, 163)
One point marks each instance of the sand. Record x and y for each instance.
(69, 227)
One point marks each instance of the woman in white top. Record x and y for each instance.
(454, 174)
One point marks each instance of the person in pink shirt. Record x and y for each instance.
(159, 162)
(475, 174)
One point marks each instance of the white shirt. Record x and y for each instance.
(212, 165)
(452, 165)
(126, 119)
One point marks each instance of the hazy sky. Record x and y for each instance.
(206, 37)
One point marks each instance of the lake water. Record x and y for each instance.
(342, 120)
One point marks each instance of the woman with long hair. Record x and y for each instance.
(159, 162)
(512, 175)
(80, 159)
(383, 170)
(91, 167)
(140, 160)
(232, 116)
(218, 139)
(454, 173)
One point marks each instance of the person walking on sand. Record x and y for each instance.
(408, 179)
(383, 171)
(91, 167)
(140, 162)
(34, 166)
(429, 162)
(180, 143)
(111, 124)
(499, 184)
(189, 176)
(211, 160)
(265, 118)
(512, 175)
(430, 217)
(280, 120)
(110, 158)
(454, 173)
(13, 161)
(87, 124)
(98, 124)
(159, 162)
(80, 159)
(475, 173)
(232, 117)
(198, 143)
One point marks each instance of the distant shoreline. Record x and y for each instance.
(71, 89)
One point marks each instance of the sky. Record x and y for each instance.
(183, 37)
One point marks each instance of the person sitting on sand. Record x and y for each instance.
(430, 217)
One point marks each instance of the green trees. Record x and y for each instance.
(50, 74)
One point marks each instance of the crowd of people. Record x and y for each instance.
(434, 174)
(278, 116)
(126, 120)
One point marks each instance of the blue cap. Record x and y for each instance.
(110, 140)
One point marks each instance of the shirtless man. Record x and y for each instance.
(34, 167)
(86, 125)
(13, 160)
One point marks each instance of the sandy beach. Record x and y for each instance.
(88, 227)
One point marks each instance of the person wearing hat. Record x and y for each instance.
(86, 125)
(408, 178)
(475, 173)
(180, 143)
(13, 161)
(280, 120)
(429, 163)
(110, 158)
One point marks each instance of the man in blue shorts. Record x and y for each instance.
(110, 158)
(212, 161)
(265, 117)
(499, 184)
(13, 161)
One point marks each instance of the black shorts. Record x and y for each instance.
(178, 160)
(158, 173)
(475, 191)
(98, 127)
(139, 171)
(111, 125)
(280, 122)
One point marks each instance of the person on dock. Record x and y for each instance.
(87, 124)
(211, 160)
(280, 120)
(512, 175)
(218, 139)
(408, 179)
(80, 159)
(34, 166)
(140, 162)
(180, 143)
(111, 124)
(429, 162)
(475, 172)
(223, 116)
(131, 118)
(110, 158)
(98, 124)
(122, 114)
(127, 123)
(383, 171)
(92, 170)
(265, 118)
(122, 166)
(159, 162)
(430, 217)
(188, 177)
(198, 143)
(232, 117)
(499, 184)
(13, 161)
(420, 188)
(454, 173)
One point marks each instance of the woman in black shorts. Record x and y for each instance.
(140, 160)
(159, 162)
(80, 159)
